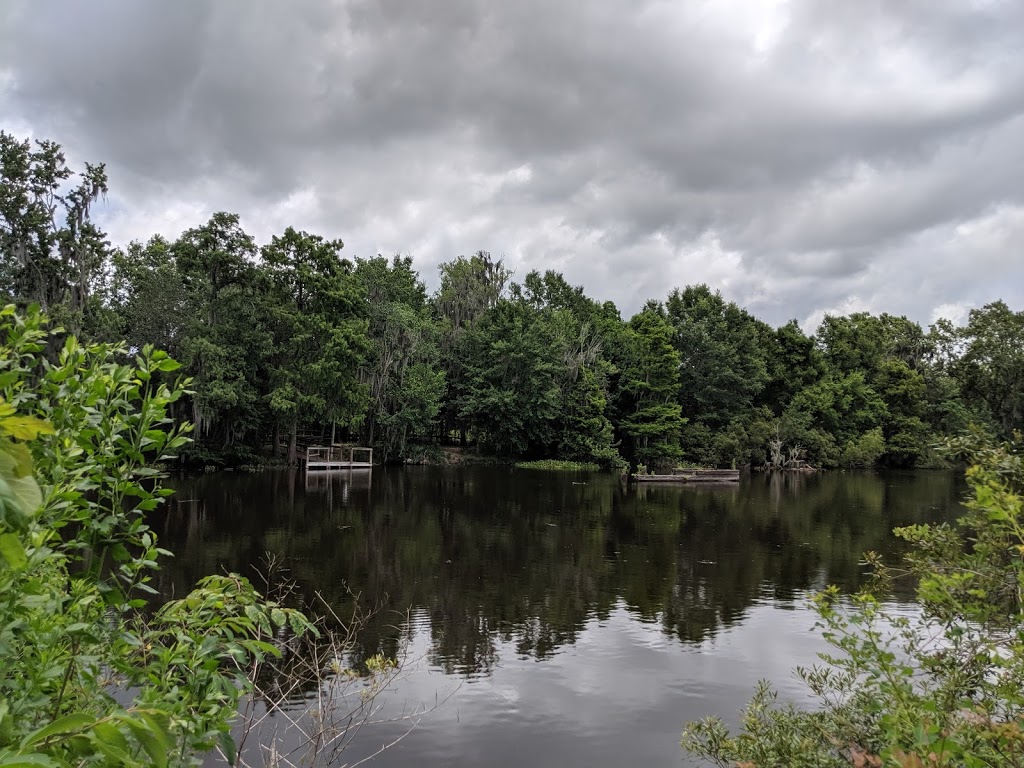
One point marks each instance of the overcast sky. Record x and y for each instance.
(801, 157)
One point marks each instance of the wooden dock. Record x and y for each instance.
(327, 457)
(693, 476)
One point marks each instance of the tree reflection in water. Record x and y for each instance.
(482, 556)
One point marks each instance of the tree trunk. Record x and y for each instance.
(276, 448)
(293, 454)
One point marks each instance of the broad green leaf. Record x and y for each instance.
(228, 745)
(28, 761)
(24, 491)
(112, 741)
(12, 551)
(17, 456)
(25, 427)
(152, 737)
(68, 724)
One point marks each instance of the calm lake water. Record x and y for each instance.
(562, 618)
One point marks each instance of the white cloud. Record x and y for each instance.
(801, 157)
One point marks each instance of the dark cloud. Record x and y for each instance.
(801, 156)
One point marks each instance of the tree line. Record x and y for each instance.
(290, 338)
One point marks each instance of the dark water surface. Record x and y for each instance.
(566, 619)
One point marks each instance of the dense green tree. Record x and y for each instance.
(227, 338)
(904, 366)
(318, 319)
(903, 391)
(148, 295)
(401, 372)
(851, 343)
(649, 417)
(991, 368)
(510, 396)
(583, 429)
(723, 367)
(945, 411)
(825, 418)
(51, 252)
(794, 363)
(470, 287)
(552, 291)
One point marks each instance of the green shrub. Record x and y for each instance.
(82, 432)
(865, 450)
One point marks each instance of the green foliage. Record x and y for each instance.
(864, 450)
(81, 438)
(470, 287)
(945, 688)
(649, 414)
(584, 432)
(558, 465)
(510, 396)
(991, 367)
(401, 371)
(317, 318)
(148, 296)
(226, 337)
(794, 363)
(903, 390)
(51, 253)
(723, 366)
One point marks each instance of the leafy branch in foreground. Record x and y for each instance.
(941, 689)
(87, 677)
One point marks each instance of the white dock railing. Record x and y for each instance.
(338, 457)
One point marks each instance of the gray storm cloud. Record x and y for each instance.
(800, 156)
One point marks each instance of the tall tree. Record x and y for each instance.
(903, 391)
(723, 367)
(831, 416)
(51, 252)
(318, 317)
(226, 339)
(510, 398)
(148, 296)
(583, 429)
(401, 371)
(470, 287)
(649, 417)
(851, 343)
(991, 369)
(794, 363)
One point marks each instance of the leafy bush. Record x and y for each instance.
(865, 450)
(81, 435)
